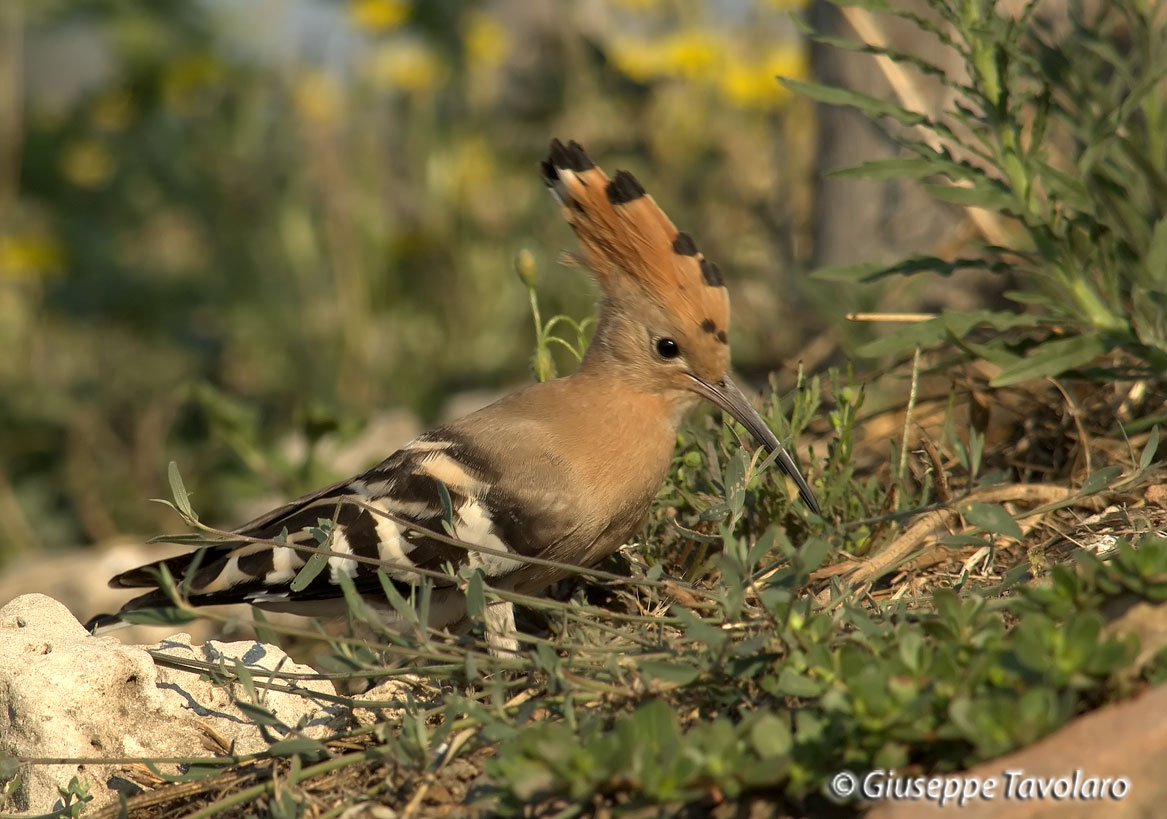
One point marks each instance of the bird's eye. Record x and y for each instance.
(667, 348)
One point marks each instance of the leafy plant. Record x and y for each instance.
(73, 798)
(816, 690)
(543, 362)
(1059, 134)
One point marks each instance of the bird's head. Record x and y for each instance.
(664, 316)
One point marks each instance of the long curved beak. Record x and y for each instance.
(728, 397)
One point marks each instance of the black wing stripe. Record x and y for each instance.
(406, 487)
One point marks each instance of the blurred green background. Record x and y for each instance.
(225, 226)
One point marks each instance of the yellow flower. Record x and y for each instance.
(318, 96)
(754, 84)
(34, 254)
(487, 41)
(87, 163)
(409, 65)
(639, 60)
(378, 15)
(690, 54)
(686, 54)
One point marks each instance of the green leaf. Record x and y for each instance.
(865, 272)
(178, 489)
(655, 725)
(1155, 263)
(9, 768)
(943, 267)
(1150, 449)
(158, 617)
(808, 726)
(793, 684)
(447, 508)
(188, 538)
(812, 554)
(985, 195)
(1012, 577)
(476, 596)
(166, 582)
(670, 672)
(356, 605)
(1026, 297)
(1111, 655)
(1097, 481)
(735, 481)
(698, 630)
(196, 769)
(1080, 636)
(959, 322)
(879, 170)
(925, 334)
(911, 648)
(872, 106)
(849, 272)
(264, 633)
(402, 607)
(243, 674)
(1053, 358)
(312, 567)
(1071, 191)
(993, 518)
(948, 325)
(322, 531)
(770, 736)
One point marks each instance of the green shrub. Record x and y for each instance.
(1059, 132)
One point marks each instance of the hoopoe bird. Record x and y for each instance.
(563, 470)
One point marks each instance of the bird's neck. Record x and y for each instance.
(620, 438)
(609, 351)
(614, 366)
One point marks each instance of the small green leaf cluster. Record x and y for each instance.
(812, 689)
(648, 751)
(74, 796)
(543, 365)
(1136, 570)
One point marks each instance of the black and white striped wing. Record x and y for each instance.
(386, 516)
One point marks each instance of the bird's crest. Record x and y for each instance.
(628, 240)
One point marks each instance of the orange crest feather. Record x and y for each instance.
(627, 238)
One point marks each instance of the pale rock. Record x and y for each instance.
(67, 694)
(78, 578)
